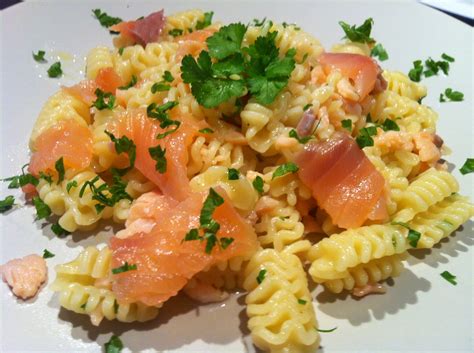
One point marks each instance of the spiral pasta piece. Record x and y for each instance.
(98, 58)
(280, 310)
(401, 84)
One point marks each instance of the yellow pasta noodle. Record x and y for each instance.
(97, 59)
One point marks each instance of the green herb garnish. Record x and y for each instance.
(449, 277)
(116, 306)
(389, 124)
(415, 73)
(124, 145)
(359, 34)
(167, 76)
(413, 236)
(206, 130)
(124, 268)
(365, 136)
(301, 140)
(175, 32)
(120, 51)
(114, 345)
(302, 301)
(160, 113)
(261, 276)
(104, 19)
(453, 96)
(158, 154)
(42, 209)
(206, 21)
(160, 87)
(380, 52)
(47, 254)
(347, 124)
(46, 177)
(258, 184)
(467, 167)
(55, 70)
(58, 230)
(132, 83)
(330, 330)
(447, 57)
(7, 203)
(233, 174)
(104, 100)
(284, 169)
(39, 56)
(59, 166)
(70, 185)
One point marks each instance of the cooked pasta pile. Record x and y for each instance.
(247, 145)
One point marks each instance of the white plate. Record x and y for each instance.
(420, 312)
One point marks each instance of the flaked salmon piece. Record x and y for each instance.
(165, 263)
(362, 70)
(25, 276)
(193, 43)
(343, 180)
(142, 31)
(136, 125)
(108, 80)
(68, 139)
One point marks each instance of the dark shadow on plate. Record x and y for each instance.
(362, 310)
(447, 248)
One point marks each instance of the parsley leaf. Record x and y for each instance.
(46, 177)
(302, 301)
(449, 277)
(213, 200)
(55, 70)
(347, 124)
(70, 185)
(301, 140)
(261, 276)
(59, 166)
(114, 345)
(58, 230)
(39, 57)
(206, 21)
(380, 52)
(389, 124)
(116, 306)
(104, 19)
(447, 57)
(167, 76)
(22, 180)
(365, 136)
(415, 73)
(413, 236)
(225, 242)
(124, 145)
(42, 209)
(226, 41)
(453, 96)
(175, 32)
(124, 268)
(233, 174)
(307, 106)
(285, 169)
(158, 154)
(258, 184)
(160, 113)
(208, 89)
(7, 203)
(105, 195)
(468, 166)
(206, 130)
(330, 330)
(359, 34)
(104, 100)
(47, 254)
(120, 51)
(132, 83)
(160, 87)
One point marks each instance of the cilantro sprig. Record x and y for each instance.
(360, 34)
(208, 226)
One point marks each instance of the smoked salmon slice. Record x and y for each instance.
(164, 262)
(362, 70)
(136, 125)
(142, 31)
(343, 180)
(67, 139)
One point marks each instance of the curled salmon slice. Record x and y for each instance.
(165, 263)
(25, 276)
(68, 139)
(362, 70)
(142, 31)
(343, 181)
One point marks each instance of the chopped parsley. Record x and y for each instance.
(258, 23)
(301, 140)
(46, 177)
(39, 56)
(160, 87)
(158, 154)
(116, 306)
(453, 96)
(124, 145)
(261, 276)
(120, 51)
(7, 203)
(233, 174)
(132, 83)
(208, 225)
(413, 236)
(59, 231)
(104, 100)
(284, 169)
(389, 124)
(379, 52)
(42, 209)
(468, 166)
(447, 57)
(307, 106)
(206, 130)
(114, 345)
(83, 306)
(55, 70)
(70, 185)
(302, 301)
(167, 76)
(175, 32)
(360, 34)
(326, 331)
(104, 19)
(347, 124)
(47, 254)
(365, 136)
(160, 113)
(124, 268)
(449, 277)
(207, 20)
(18, 181)
(106, 195)
(258, 184)
(59, 166)
(415, 73)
